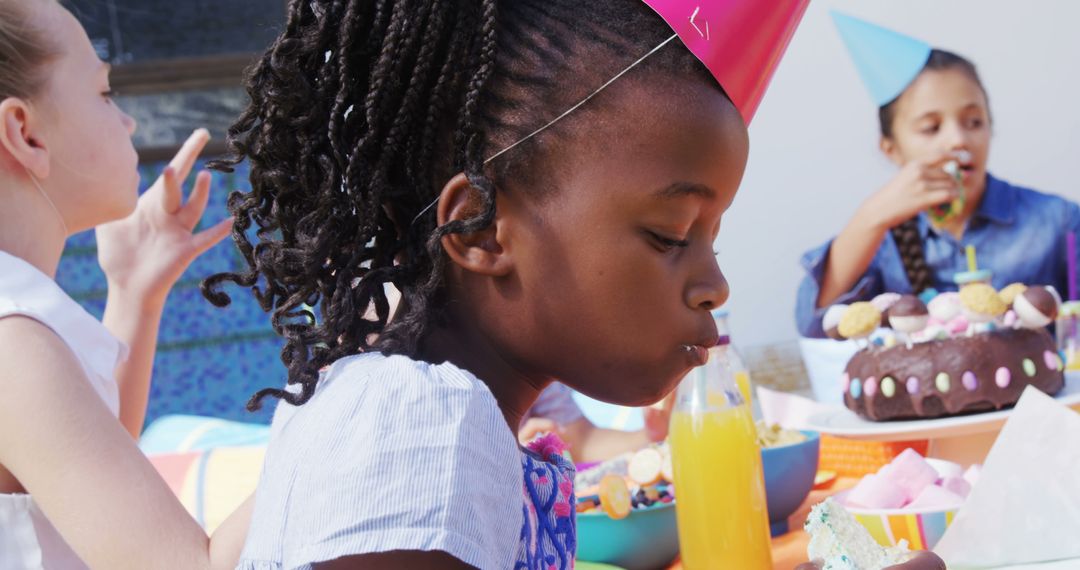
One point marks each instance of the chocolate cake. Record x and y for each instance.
(951, 376)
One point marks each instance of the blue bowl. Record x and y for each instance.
(646, 539)
(789, 477)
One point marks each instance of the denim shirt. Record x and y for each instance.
(1019, 234)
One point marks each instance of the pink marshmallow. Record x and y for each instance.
(972, 474)
(910, 472)
(958, 325)
(934, 497)
(876, 492)
(946, 469)
(956, 485)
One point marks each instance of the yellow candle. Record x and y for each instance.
(972, 266)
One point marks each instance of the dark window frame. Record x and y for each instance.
(162, 76)
(181, 74)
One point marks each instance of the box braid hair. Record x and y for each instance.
(361, 110)
(906, 234)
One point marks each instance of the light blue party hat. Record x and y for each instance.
(886, 60)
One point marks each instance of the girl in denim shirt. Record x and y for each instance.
(891, 243)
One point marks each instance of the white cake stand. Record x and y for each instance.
(961, 439)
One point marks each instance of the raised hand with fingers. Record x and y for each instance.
(919, 185)
(145, 253)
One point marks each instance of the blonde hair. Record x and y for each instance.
(24, 51)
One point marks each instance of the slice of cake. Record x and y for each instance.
(839, 542)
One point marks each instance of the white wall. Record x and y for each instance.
(813, 143)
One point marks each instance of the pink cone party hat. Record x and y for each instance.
(740, 41)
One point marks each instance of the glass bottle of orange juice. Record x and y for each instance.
(735, 363)
(720, 489)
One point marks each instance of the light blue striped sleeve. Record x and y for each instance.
(390, 454)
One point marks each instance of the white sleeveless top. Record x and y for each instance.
(27, 540)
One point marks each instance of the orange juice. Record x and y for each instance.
(720, 489)
(742, 379)
(732, 360)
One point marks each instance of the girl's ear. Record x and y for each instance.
(890, 149)
(483, 251)
(18, 139)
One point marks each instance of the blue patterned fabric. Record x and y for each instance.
(548, 535)
(209, 360)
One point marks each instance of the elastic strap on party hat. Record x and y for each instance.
(740, 42)
(562, 115)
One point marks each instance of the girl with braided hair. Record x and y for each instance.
(542, 180)
(933, 112)
(75, 491)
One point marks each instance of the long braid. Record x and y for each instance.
(359, 112)
(906, 235)
(909, 243)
